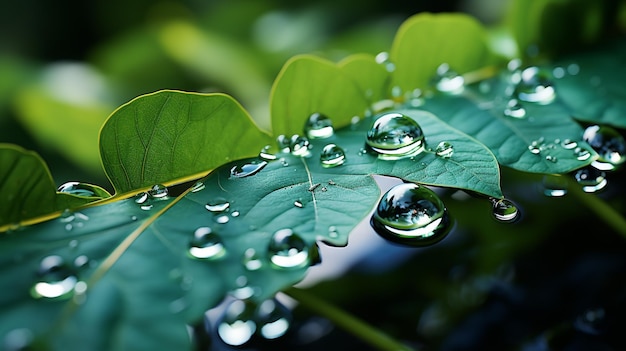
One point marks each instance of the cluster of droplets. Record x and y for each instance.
(547, 149)
(146, 199)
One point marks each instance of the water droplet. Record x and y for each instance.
(78, 188)
(318, 126)
(444, 149)
(141, 198)
(591, 179)
(247, 169)
(382, 58)
(57, 279)
(569, 144)
(608, 143)
(222, 219)
(273, 319)
(448, 81)
(535, 86)
(581, 154)
(288, 250)
(158, 191)
(514, 109)
(266, 154)
(394, 135)
(218, 205)
(20, 339)
(298, 203)
(504, 210)
(73, 244)
(551, 158)
(332, 232)
(332, 156)
(299, 145)
(198, 186)
(411, 214)
(251, 260)
(206, 245)
(554, 185)
(235, 214)
(237, 326)
(81, 261)
(283, 143)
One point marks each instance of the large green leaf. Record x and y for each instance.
(27, 190)
(373, 78)
(168, 135)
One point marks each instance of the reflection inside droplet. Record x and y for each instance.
(394, 135)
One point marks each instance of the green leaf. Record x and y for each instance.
(425, 41)
(372, 77)
(591, 84)
(543, 128)
(307, 85)
(172, 135)
(27, 190)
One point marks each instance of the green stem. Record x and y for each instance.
(346, 321)
(603, 210)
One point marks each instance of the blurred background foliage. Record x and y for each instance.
(65, 65)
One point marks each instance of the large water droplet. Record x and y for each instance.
(411, 214)
(535, 86)
(332, 156)
(78, 188)
(247, 169)
(444, 149)
(448, 81)
(504, 210)
(57, 279)
(394, 135)
(514, 109)
(237, 325)
(273, 319)
(318, 126)
(288, 250)
(206, 245)
(299, 145)
(591, 179)
(608, 143)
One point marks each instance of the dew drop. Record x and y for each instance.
(554, 185)
(581, 154)
(236, 326)
(78, 188)
(395, 135)
(247, 169)
(318, 126)
(158, 191)
(266, 154)
(288, 250)
(591, 179)
(198, 186)
(412, 215)
(219, 205)
(535, 86)
(569, 144)
(141, 198)
(332, 156)
(299, 145)
(444, 149)
(283, 143)
(298, 203)
(551, 158)
(251, 260)
(504, 210)
(222, 219)
(273, 319)
(57, 279)
(206, 245)
(514, 109)
(608, 143)
(448, 81)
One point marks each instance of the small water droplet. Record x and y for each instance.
(514, 109)
(283, 143)
(81, 261)
(444, 149)
(448, 81)
(332, 232)
(57, 279)
(273, 319)
(73, 244)
(382, 58)
(146, 207)
(141, 198)
(20, 339)
(236, 326)
(78, 188)
(535, 86)
(247, 169)
(235, 214)
(608, 143)
(394, 135)
(591, 179)
(551, 158)
(251, 260)
(504, 210)
(534, 149)
(554, 185)
(158, 191)
(318, 126)
(266, 153)
(206, 244)
(569, 144)
(288, 250)
(298, 203)
(299, 145)
(222, 219)
(332, 156)
(198, 186)
(219, 205)
(412, 215)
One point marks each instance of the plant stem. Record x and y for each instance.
(347, 321)
(603, 210)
